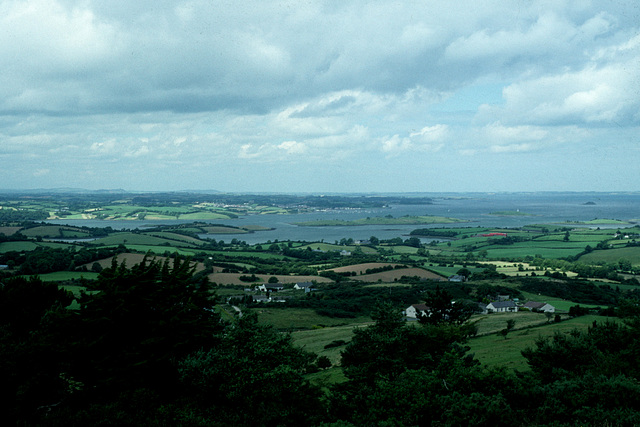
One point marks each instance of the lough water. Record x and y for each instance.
(548, 208)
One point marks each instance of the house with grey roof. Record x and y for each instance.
(540, 306)
(502, 307)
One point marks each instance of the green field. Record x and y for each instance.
(177, 238)
(328, 247)
(140, 239)
(494, 350)
(549, 249)
(17, 246)
(315, 340)
(613, 255)
(67, 275)
(159, 250)
(301, 318)
(54, 231)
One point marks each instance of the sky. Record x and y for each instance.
(320, 96)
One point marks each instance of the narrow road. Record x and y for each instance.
(236, 308)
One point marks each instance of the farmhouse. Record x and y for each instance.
(306, 286)
(456, 278)
(540, 306)
(270, 287)
(415, 310)
(260, 298)
(502, 307)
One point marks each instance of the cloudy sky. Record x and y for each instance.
(320, 96)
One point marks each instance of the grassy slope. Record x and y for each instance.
(613, 255)
(494, 350)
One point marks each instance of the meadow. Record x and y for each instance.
(494, 350)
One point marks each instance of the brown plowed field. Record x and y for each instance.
(234, 279)
(389, 276)
(8, 231)
(361, 268)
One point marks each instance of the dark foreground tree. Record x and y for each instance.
(255, 376)
(140, 322)
(31, 349)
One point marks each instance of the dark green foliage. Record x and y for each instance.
(510, 325)
(581, 291)
(605, 349)
(390, 346)
(30, 347)
(24, 302)
(21, 215)
(252, 377)
(444, 310)
(142, 320)
(351, 299)
(432, 232)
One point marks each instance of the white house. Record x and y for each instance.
(502, 307)
(540, 306)
(415, 310)
(303, 285)
(270, 287)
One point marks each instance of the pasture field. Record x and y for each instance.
(302, 318)
(402, 249)
(246, 254)
(17, 246)
(255, 228)
(545, 249)
(138, 239)
(597, 221)
(153, 217)
(314, 340)
(54, 231)
(492, 323)
(388, 285)
(162, 249)
(221, 229)
(494, 350)
(177, 237)
(490, 349)
(513, 269)
(59, 276)
(580, 236)
(448, 270)
(631, 253)
(203, 216)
